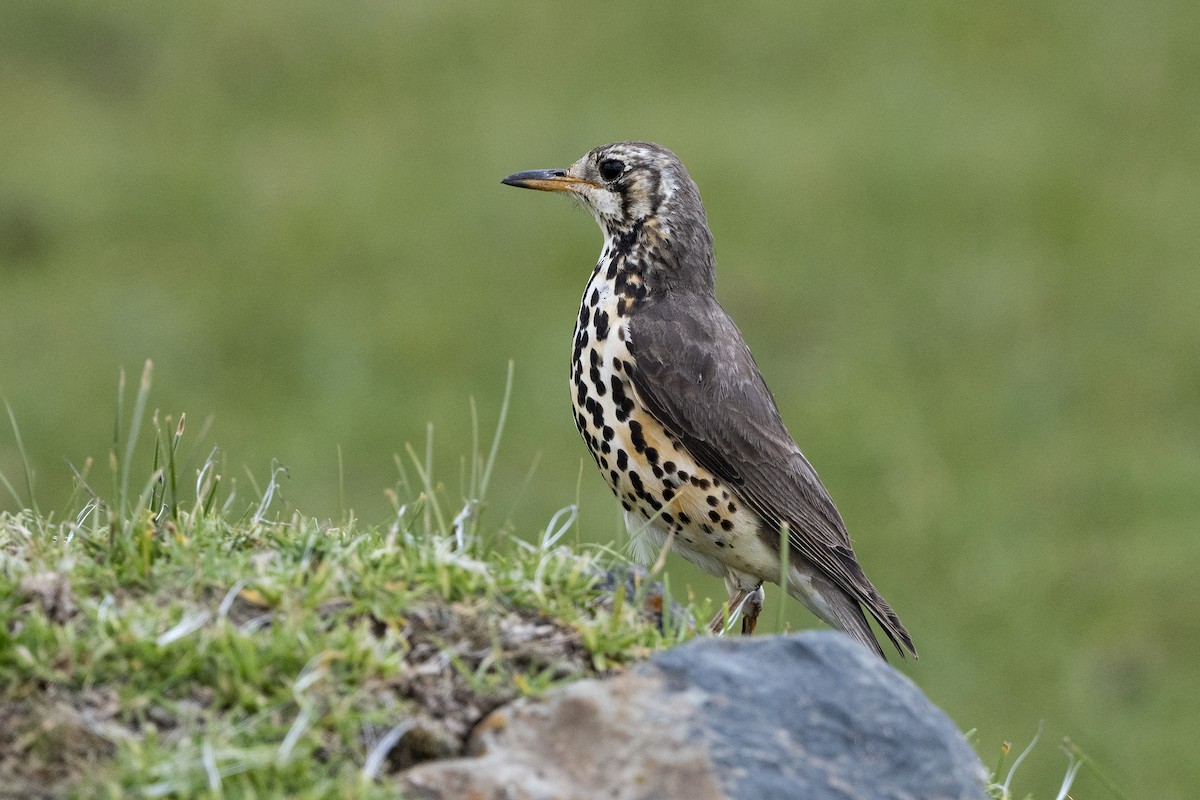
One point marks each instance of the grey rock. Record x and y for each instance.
(813, 716)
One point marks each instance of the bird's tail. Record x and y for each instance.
(845, 611)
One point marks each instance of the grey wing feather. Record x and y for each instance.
(695, 374)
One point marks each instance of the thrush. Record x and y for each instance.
(677, 416)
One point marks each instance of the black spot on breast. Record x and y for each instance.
(720, 543)
(625, 505)
(622, 307)
(684, 519)
(617, 365)
(597, 412)
(622, 401)
(667, 518)
(669, 467)
(726, 525)
(622, 460)
(595, 297)
(698, 482)
(712, 501)
(607, 433)
(714, 516)
(683, 476)
(668, 495)
(652, 456)
(732, 508)
(600, 320)
(636, 437)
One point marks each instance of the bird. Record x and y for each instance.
(676, 414)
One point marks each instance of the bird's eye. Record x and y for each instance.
(611, 169)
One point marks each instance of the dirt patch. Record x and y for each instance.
(51, 741)
(465, 661)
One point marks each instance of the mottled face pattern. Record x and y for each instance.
(624, 184)
(648, 207)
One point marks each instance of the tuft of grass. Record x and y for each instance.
(167, 641)
(999, 784)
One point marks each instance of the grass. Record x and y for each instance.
(999, 784)
(163, 641)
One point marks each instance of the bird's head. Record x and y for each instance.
(643, 198)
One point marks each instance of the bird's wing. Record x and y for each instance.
(694, 373)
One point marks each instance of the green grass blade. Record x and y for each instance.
(28, 466)
(1090, 764)
(486, 477)
(135, 424)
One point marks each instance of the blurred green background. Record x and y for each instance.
(963, 241)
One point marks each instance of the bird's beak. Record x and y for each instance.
(546, 180)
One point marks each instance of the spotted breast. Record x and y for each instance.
(660, 486)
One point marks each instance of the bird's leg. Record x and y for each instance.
(751, 608)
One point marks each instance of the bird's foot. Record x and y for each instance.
(746, 603)
(751, 608)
